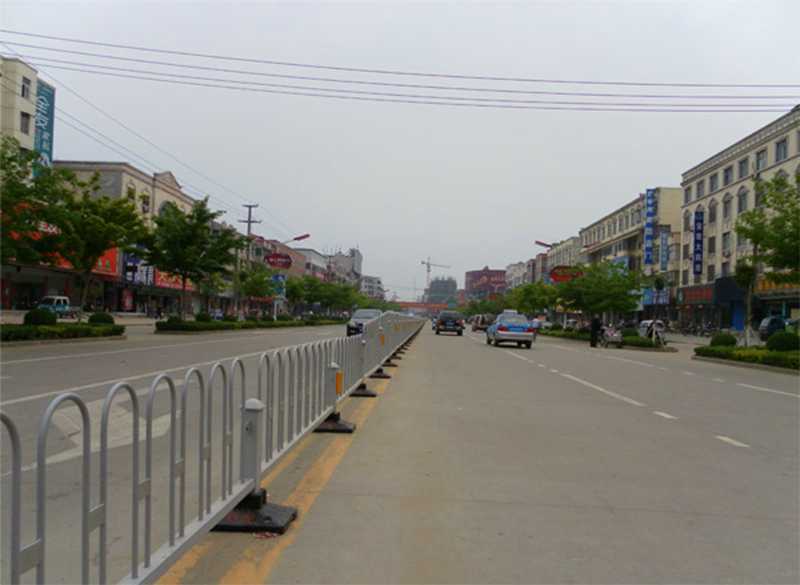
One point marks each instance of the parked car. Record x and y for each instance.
(362, 316)
(571, 325)
(544, 324)
(450, 321)
(644, 327)
(770, 325)
(482, 322)
(510, 327)
(58, 305)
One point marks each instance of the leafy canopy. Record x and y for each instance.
(603, 287)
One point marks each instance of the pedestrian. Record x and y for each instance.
(535, 324)
(595, 330)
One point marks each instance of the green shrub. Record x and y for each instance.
(252, 318)
(630, 332)
(723, 340)
(230, 318)
(174, 319)
(285, 317)
(717, 351)
(783, 341)
(752, 355)
(636, 341)
(203, 317)
(783, 359)
(57, 331)
(556, 327)
(101, 319)
(40, 317)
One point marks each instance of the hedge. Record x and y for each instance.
(176, 325)
(579, 335)
(783, 341)
(60, 331)
(723, 339)
(638, 341)
(101, 319)
(753, 355)
(40, 317)
(630, 332)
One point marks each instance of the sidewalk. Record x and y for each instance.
(127, 319)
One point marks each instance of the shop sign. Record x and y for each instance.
(564, 273)
(43, 122)
(655, 297)
(279, 260)
(764, 286)
(169, 280)
(137, 271)
(664, 251)
(127, 300)
(106, 264)
(649, 225)
(696, 295)
(697, 256)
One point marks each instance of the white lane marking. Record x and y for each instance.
(720, 380)
(603, 390)
(542, 365)
(637, 362)
(688, 373)
(127, 378)
(149, 348)
(732, 441)
(664, 415)
(519, 357)
(770, 390)
(554, 371)
(663, 369)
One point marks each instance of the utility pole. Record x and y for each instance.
(249, 221)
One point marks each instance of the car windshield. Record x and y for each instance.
(366, 314)
(513, 319)
(449, 315)
(48, 301)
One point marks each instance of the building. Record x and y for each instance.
(18, 90)
(628, 237)
(316, 263)
(540, 270)
(515, 275)
(715, 192)
(372, 286)
(442, 290)
(346, 268)
(564, 253)
(262, 248)
(484, 283)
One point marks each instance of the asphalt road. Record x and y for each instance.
(559, 464)
(33, 375)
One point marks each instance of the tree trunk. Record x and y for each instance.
(748, 314)
(183, 296)
(87, 283)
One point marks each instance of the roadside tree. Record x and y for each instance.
(602, 288)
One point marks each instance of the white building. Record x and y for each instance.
(18, 88)
(372, 286)
(515, 275)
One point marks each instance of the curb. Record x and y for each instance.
(170, 332)
(56, 341)
(651, 349)
(750, 365)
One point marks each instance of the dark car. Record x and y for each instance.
(449, 321)
(770, 325)
(482, 322)
(360, 318)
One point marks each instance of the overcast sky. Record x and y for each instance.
(466, 186)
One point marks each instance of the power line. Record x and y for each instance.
(395, 71)
(153, 144)
(447, 101)
(412, 96)
(371, 82)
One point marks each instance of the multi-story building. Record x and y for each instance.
(372, 286)
(316, 263)
(515, 275)
(18, 89)
(484, 283)
(628, 237)
(564, 253)
(540, 270)
(715, 192)
(262, 248)
(346, 268)
(442, 290)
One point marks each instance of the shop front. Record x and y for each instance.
(696, 305)
(730, 301)
(782, 299)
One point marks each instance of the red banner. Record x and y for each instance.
(107, 264)
(278, 260)
(168, 280)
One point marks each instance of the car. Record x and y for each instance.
(644, 327)
(449, 321)
(770, 325)
(360, 318)
(57, 304)
(571, 325)
(544, 324)
(482, 321)
(511, 328)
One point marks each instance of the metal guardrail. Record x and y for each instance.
(298, 387)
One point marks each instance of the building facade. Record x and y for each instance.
(515, 275)
(484, 283)
(346, 267)
(442, 290)
(372, 286)
(564, 253)
(715, 192)
(18, 89)
(540, 270)
(316, 263)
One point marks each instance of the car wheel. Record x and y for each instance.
(437, 331)
(519, 344)
(488, 340)
(528, 344)
(460, 333)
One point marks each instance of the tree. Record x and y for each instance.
(603, 287)
(256, 282)
(87, 225)
(191, 246)
(211, 286)
(532, 298)
(773, 228)
(295, 292)
(28, 193)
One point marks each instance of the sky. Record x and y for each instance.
(468, 187)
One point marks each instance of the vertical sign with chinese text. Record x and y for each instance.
(649, 225)
(697, 254)
(664, 251)
(43, 122)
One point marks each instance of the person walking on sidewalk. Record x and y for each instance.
(595, 330)
(535, 324)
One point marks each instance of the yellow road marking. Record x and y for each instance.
(255, 564)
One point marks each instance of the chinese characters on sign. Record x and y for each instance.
(650, 217)
(43, 121)
(697, 255)
(664, 250)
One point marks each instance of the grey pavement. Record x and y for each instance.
(561, 464)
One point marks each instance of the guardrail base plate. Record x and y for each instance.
(363, 392)
(335, 424)
(255, 514)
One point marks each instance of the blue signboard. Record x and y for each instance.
(664, 250)
(43, 122)
(136, 270)
(280, 284)
(697, 254)
(655, 297)
(649, 225)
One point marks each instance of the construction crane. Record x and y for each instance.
(428, 264)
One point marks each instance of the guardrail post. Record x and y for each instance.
(254, 513)
(362, 391)
(333, 388)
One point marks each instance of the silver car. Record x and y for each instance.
(356, 323)
(511, 328)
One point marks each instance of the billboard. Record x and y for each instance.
(697, 254)
(278, 260)
(649, 225)
(43, 122)
(137, 271)
(664, 251)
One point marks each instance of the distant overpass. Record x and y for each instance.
(430, 307)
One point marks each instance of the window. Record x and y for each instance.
(727, 176)
(761, 159)
(726, 242)
(687, 221)
(726, 206)
(687, 195)
(713, 183)
(700, 188)
(25, 122)
(712, 245)
(726, 269)
(741, 201)
(696, 278)
(685, 251)
(710, 272)
(712, 211)
(684, 277)
(26, 88)
(744, 168)
(781, 150)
